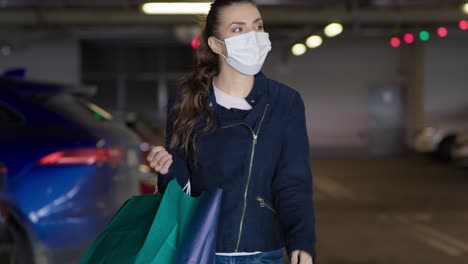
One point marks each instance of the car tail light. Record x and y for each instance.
(3, 172)
(87, 156)
(3, 169)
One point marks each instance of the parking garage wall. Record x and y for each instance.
(446, 80)
(46, 60)
(334, 81)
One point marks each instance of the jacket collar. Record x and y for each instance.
(258, 98)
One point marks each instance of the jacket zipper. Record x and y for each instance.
(263, 204)
(255, 137)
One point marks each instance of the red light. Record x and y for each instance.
(83, 157)
(51, 158)
(395, 42)
(3, 170)
(408, 38)
(463, 24)
(195, 43)
(442, 32)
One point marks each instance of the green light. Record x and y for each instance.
(424, 35)
(98, 116)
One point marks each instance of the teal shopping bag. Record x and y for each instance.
(169, 226)
(124, 235)
(152, 228)
(184, 229)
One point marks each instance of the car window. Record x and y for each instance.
(74, 107)
(8, 116)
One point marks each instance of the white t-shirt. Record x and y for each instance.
(230, 101)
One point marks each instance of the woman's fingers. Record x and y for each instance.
(155, 155)
(300, 257)
(158, 164)
(153, 152)
(295, 257)
(304, 258)
(165, 167)
(161, 161)
(160, 157)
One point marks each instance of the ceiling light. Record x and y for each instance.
(408, 38)
(176, 8)
(299, 49)
(424, 35)
(463, 24)
(465, 8)
(333, 30)
(314, 41)
(395, 42)
(195, 42)
(442, 32)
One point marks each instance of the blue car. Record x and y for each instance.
(65, 169)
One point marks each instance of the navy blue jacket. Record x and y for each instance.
(260, 158)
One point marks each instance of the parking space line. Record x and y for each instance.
(333, 188)
(439, 245)
(443, 236)
(429, 235)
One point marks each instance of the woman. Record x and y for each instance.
(231, 127)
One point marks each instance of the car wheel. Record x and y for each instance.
(14, 245)
(444, 152)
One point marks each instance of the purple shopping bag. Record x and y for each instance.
(199, 243)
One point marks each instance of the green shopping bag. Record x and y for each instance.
(146, 229)
(169, 226)
(123, 237)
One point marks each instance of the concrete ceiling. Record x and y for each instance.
(310, 3)
(123, 17)
(272, 14)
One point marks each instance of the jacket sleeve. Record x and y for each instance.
(178, 168)
(292, 184)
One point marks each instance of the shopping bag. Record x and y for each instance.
(173, 228)
(184, 229)
(124, 235)
(199, 242)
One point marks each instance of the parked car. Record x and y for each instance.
(70, 167)
(439, 139)
(460, 149)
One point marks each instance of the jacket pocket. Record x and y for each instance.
(262, 203)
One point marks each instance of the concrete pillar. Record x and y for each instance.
(413, 66)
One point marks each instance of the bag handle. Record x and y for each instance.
(188, 188)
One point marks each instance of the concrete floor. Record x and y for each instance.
(389, 211)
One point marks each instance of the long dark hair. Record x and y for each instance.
(195, 87)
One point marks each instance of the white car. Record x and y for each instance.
(440, 139)
(460, 150)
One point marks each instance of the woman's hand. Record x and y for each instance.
(301, 257)
(160, 160)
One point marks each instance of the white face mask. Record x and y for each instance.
(247, 52)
